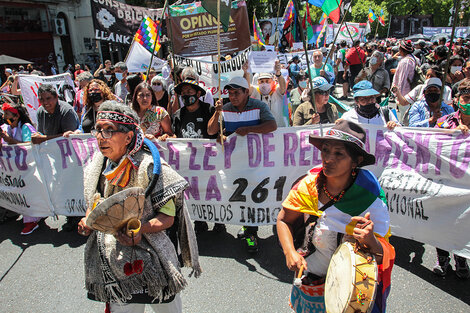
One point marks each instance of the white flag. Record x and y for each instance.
(138, 59)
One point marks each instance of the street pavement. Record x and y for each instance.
(43, 272)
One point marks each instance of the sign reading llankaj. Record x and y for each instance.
(194, 31)
(118, 22)
(424, 173)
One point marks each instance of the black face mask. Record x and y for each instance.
(189, 100)
(368, 111)
(432, 97)
(95, 97)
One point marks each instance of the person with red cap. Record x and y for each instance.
(17, 129)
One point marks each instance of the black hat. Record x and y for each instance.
(351, 134)
(190, 82)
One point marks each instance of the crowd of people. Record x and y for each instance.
(158, 107)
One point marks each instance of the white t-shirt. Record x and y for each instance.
(417, 93)
(379, 119)
(275, 103)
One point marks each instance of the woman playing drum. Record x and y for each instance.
(344, 199)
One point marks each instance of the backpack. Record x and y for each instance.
(418, 75)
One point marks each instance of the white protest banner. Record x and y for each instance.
(424, 173)
(138, 59)
(208, 71)
(355, 32)
(262, 61)
(21, 186)
(29, 85)
(61, 162)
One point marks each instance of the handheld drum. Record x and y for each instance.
(351, 281)
(122, 210)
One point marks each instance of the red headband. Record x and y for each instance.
(7, 107)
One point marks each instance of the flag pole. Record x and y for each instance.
(376, 29)
(277, 23)
(336, 37)
(155, 44)
(449, 53)
(170, 107)
(302, 37)
(219, 76)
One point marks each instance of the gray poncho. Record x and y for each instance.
(105, 257)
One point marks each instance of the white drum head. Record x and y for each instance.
(339, 279)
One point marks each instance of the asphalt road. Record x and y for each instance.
(43, 272)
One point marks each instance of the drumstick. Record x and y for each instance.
(298, 280)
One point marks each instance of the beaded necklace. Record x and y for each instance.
(336, 198)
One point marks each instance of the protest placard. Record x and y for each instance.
(194, 31)
(29, 85)
(262, 61)
(117, 22)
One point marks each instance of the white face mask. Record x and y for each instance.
(455, 69)
(373, 61)
(157, 88)
(265, 88)
(119, 76)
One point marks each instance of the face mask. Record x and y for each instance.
(455, 69)
(265, 88)
(189, 100)
(432, 97)
(368, 111)
(373, 61)
(95, 97)
(303, 84)
(119, 76)
(157, 88)
(464, 108)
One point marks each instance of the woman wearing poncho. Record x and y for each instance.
(122, 163)
(348, 201)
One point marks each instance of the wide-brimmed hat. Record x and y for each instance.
(190, 82)
(350, 134)
(320, 83)
(364, 89)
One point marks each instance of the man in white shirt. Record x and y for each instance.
(271, 93)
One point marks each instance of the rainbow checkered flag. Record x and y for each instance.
(289, 13)
(146, 42)
(257, 32)
(148, 35)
